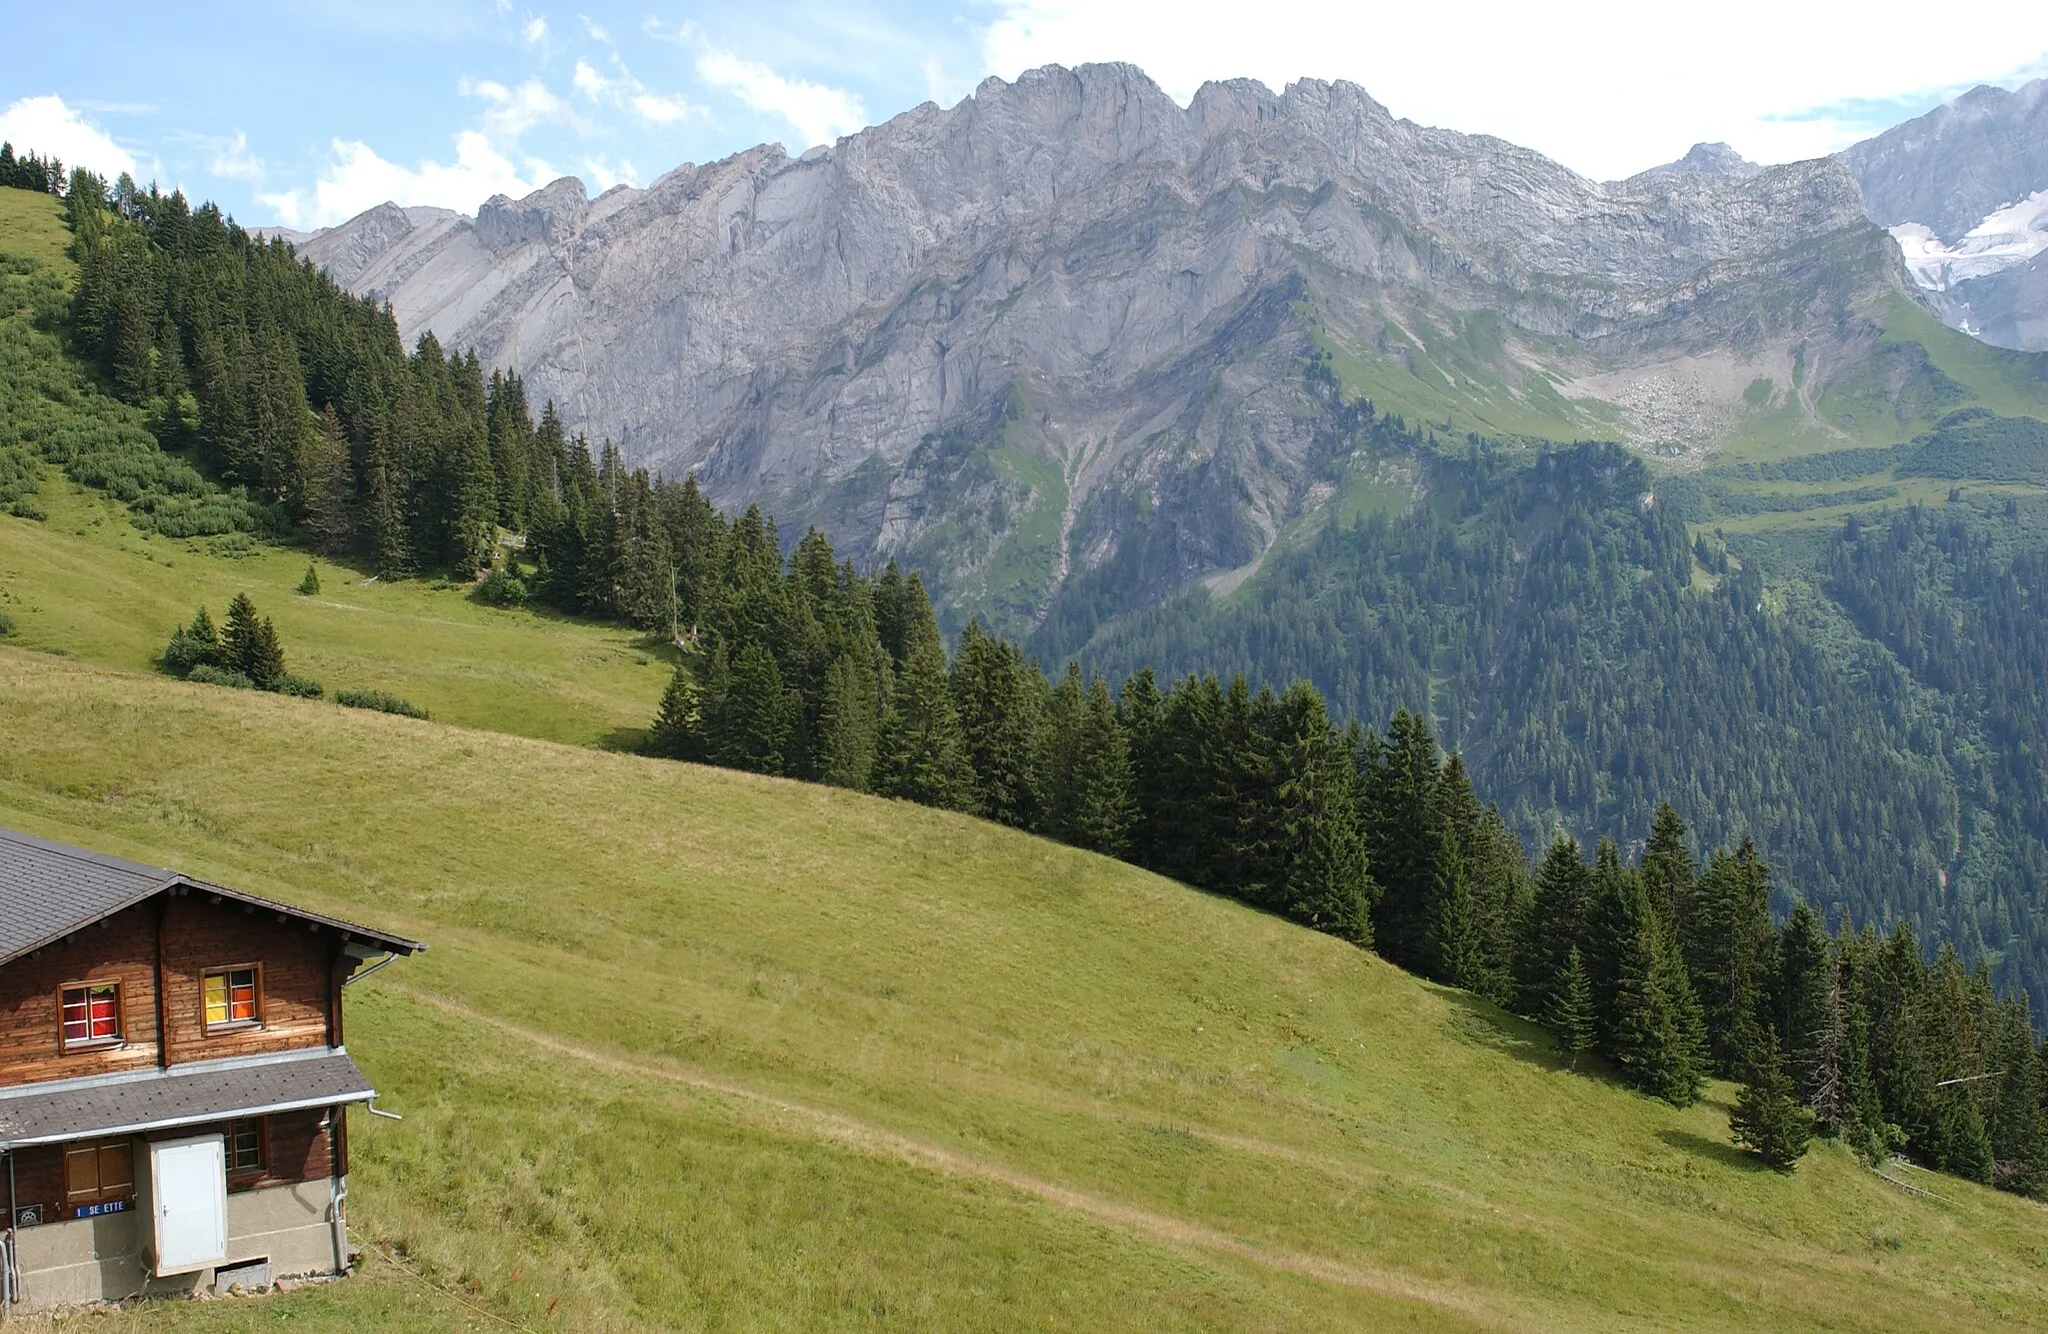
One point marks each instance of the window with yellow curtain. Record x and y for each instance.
(234, 997)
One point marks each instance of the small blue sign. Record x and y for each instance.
(95, 1210)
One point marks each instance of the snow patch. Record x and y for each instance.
(2011, 235)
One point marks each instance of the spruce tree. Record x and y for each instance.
(1323, 879)
(238, 640)
(1655, 1034)
(1556, 912)
(1451, 933)
(1400, 792)
(1141, 711)
(1570, 1016)
(1768, 1119)
(677, 732)
(326, 486)
(844, 755)
(1728, 950)
(1805, 969)
(1667, 868)
(265, 662)
(756, 716)
(310, 585)
(1100, 812)
(920, 755)
(998, 723)
(250, 645)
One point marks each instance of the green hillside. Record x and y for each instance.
(695, 1048)
(87, 583)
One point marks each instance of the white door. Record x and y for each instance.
(189, 1189)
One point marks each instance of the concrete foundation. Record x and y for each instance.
(104, 1259)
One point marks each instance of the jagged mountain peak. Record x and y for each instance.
(1705, 159)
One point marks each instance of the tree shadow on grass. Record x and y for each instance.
(630, 740)
(1714, 1150)
(1480, 1021)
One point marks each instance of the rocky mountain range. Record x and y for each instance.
(1067, 320)
(1964, 189)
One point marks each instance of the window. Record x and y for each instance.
(98, 1172)
(92, 1014)
(245, 1145)
(234, 997)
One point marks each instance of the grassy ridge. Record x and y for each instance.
(694, 1048)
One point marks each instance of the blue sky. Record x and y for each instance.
(304, 112)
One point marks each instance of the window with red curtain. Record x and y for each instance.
(92, 1014)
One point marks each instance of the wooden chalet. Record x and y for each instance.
(173, 1082)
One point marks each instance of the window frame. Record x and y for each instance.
(66, 1043)
(210, 1028)
(101, 1194)
(262, 1164)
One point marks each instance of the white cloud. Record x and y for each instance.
(1605, 86)
(511, 112)
(595, 29)
(817, 113)
(488, 161)
(535, 32)
(604, 175)
(664, 110)
(233, 160)
(357, 179)
(45, 126)
(590, 83)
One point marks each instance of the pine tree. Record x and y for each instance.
(677, 732)
(1667, 868)
(1570, 1016)
(310, 585)
(248, 647)
(920, 755)
(1768, 1119)
(265, 662)
(1451, 934)
(998, 722)
(1728, 951)
(1805, 971)
(325, 487)
(844, 755)
(1556, 911)
(756, 716)
(1100, 814)
(1655, 1032)
(196, 645)
(1401, 818)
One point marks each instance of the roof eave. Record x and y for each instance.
(392, 944)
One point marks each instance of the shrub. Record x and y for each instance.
(378, 700)
(28, 509)
(298, 687)
(192, 646)
(502, 588)
(311, 583)
(6, 625)
(208, 674)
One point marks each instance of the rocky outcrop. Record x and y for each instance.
(1105, 298)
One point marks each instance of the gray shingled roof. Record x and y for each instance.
(48, 890)
(123, 1105)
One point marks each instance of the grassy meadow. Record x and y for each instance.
(698, 1049)
(88, 583)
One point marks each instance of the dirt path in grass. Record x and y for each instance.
(837, 1127)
